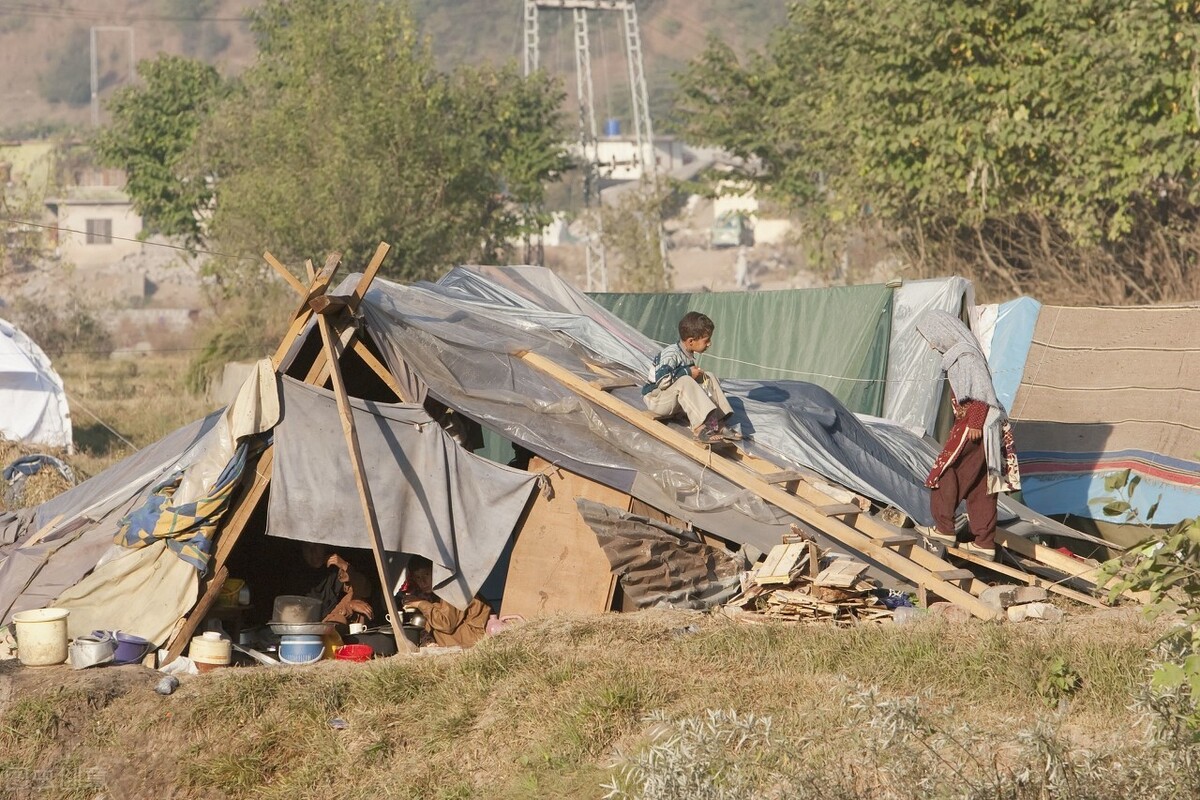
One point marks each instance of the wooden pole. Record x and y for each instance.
(330, 343)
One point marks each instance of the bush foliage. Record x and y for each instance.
(1050, 143)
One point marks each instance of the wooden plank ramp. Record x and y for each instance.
(922, 576)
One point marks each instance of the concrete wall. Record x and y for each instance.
(766, 230)
(73, 243)
(616, 153)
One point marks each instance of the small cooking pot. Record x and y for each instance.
(410, 618)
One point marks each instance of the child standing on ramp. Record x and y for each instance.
(978, 460)
(677, 384)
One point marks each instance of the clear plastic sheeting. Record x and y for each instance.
(464, 338)
(914, 372)
(466, 352)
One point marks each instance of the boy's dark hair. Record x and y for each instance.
(695, 325)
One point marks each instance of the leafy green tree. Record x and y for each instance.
(344, 134)
(153, 127)
(630, 235)
(1041, 140)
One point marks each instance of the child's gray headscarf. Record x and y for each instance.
(962, 359)
(969, 376)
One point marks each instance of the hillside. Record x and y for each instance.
(45, 46)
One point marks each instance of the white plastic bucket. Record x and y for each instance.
(42, 636)
(210, 651)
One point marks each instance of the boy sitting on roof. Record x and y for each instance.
(677, 384)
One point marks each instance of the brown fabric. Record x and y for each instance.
(1124, 378)
(451, 627)
(966, 478)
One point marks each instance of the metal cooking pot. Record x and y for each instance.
(410, 618)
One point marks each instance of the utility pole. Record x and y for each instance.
(644, 154)
(95, 70)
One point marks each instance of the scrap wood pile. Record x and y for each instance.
(798, 583)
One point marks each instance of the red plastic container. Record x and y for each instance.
(355, 652)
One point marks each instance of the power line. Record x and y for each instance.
(190, 250)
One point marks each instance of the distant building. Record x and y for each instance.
(618, 156)
(736, 200)
(96, 223)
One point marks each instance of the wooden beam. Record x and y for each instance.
(813, 492)
(364, 283)
(285, 273)
(329, 303)
(749, 479)
(839, 509)
(955, 574)
(360, 478)
(1025, 577)
(231, 530)
(614, 382)
(1074, 567)
(784, 476)
(899, 540)
(380, 370)
(245, 506)
(42, 533)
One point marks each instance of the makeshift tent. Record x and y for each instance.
(519, 351)
(435, 497)
(33, 405)
(1109, 389)
(535, 360)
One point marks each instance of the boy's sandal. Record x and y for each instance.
(731, 436)
(709, 437)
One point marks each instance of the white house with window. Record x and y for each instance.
(95, 225)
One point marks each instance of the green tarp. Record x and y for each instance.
(837, 338)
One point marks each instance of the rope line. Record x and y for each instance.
(75, 402)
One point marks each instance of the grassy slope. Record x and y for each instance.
(543, 710)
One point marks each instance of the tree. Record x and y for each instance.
(1050, 143)
(630, 233)
(152, 131)
(344, 134)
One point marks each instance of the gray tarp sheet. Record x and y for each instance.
(88, 515)
(460, 336)
(431, 497)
